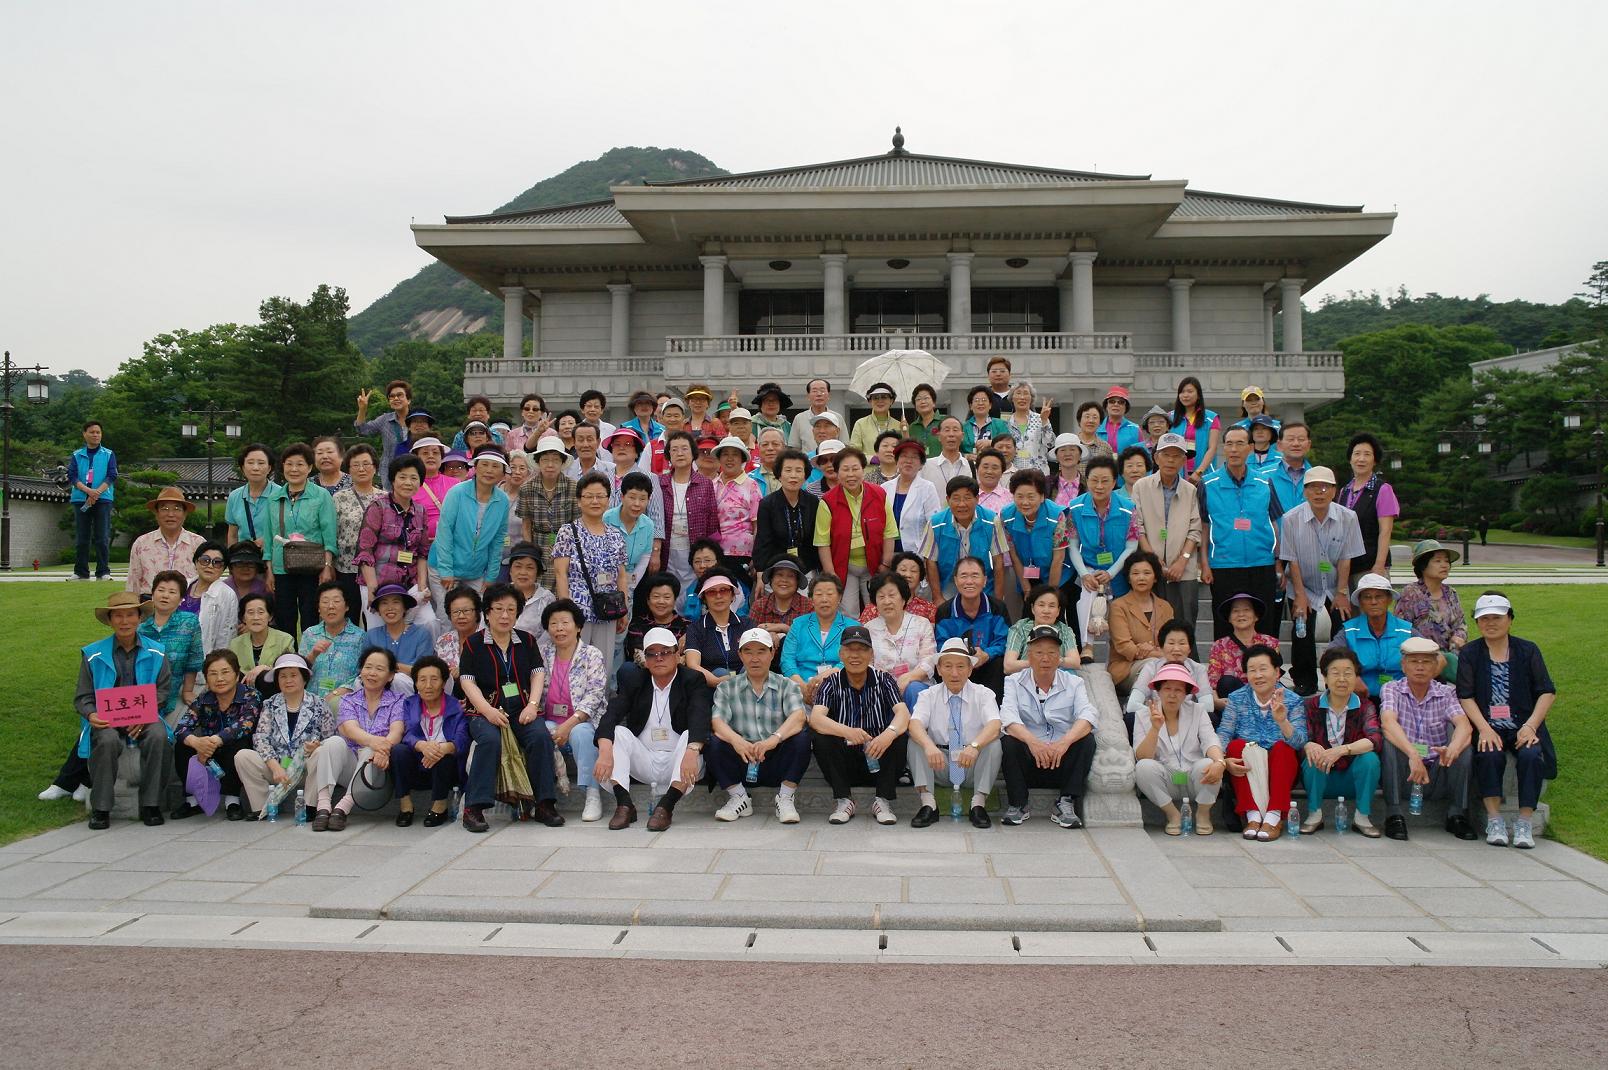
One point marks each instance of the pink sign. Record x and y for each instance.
(120, 707)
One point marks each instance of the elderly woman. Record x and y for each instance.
(212, 600)
(435, 744)
(259, 645)
(1065, 481)
(1089, 416)
(711, 647)
(589, 559)
(1042, 610)
(329, 470)
(884, 465)
(1157, 422)
(1431, 606)
(902, 643)
(523, 575)
(1348, 722)
(781, 603)
(992, 493)
(248, 571)
(547, 500)
(305, 513)
(392, 546)
(1137, 619)
(369, 725)
(1505, 689)
(689, 505)
(863, 436)
(577, 692)
(980, 427)
(810, 652)
(215, 729)
(178, 634)
(516, 477)
(655, 607)
(912, 568)
(737, 499)
(1374, 502)
(855, 528)
(395, 632)
(331, 647)
(1177, 648)
(463, 620)
(1133, 465)
(1262, 733)
(1176, 751)
(924, 428)
(351, 506)
(292, 722)
(1225, 661)
(247, 510)
(1030, 430)
(914, 498)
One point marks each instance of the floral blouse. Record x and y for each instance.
(206, 718)
(736, 511)
(1033, 440)
(605, 557)
(350, 507)
(1439, 620)
(180, 640)
(588, 680)
(315, 722)
(1226, 655)
(911, 648)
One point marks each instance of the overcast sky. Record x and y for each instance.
(169, 165)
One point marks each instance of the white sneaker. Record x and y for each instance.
(52, 793)
(594, 805)
(81, 794)
(1496, 832)
(736, 806)
(786, 812)
(1523, 834)
(883, 812)
(843, 812)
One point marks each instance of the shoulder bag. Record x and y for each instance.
(606, 605)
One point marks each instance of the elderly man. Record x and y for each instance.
(1317, 540)
(654, 730)
(954, 730)
(1239, 523)
(1375, 634)
(122, 659)
(759, 732)
(950, 462)
(1287, 475)
(170, 548)
(858, 727)
(973, 616)
(92, 471)
(587, 458)
(1167, 509)
(1427, 737)
(804, 433)
(770, 445)
(965, 529)
(1049, 732)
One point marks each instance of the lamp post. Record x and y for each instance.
(231, 429)
(1598, 405)
(1450, 440)
(38, 394)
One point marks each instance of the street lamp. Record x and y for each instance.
(231, 429)
(1572, 422)
(1449, 441)
(38, 394)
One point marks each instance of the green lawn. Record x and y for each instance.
(39, 723)
(1515, 538)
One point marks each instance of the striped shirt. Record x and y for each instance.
(869, 707)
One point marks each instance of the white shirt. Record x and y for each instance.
(977, 705)
(602, 463)
(1139, 698)
(657, 734)
(1182, 749)
(1049, 715)
(939, 471)
(922, 500)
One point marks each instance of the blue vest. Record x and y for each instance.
(946, 541)
(1227, 502)
(91, 473)
(1110, 538)
(1291, 492)
(103, 673)
(1381, 655)
(1035, 547)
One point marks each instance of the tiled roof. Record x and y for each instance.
(1203, 205)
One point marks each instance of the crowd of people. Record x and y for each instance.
(712, 593)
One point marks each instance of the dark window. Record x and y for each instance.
(781, 312)
(1015, 311)
(877, 311)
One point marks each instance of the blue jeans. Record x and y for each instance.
(534, 740)
(1356, 782)
(582, 746)
(93, 525)
(913, 691)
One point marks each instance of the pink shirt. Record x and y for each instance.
(736, 512)
(996, 499)
(558, 693)
(431, 494)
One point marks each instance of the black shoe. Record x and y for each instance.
(548, 814)
(1458, 826)
(235, 812)
(187, 810)
(1396, 827)
(906, 780)
(474, 820)
(100, 819)
(435, 820)
(404, 819)
(151, 815)
(980, 818)
(924, 817)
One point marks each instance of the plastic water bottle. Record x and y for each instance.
(872, 765)
(1292, 818)
(1415, 800)
(1342, 818)
(215, 769)
(752, 776)
(270, 809)
(454, 803)
(1186, 818)
(1300, 627)
(301, 807)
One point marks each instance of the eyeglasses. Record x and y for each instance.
(532, 407)
(661, 653)
(210, 559)
(462, 611)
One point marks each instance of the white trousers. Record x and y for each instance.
(333, 764)
(1155, 781)
(657, 768)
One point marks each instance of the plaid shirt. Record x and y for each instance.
(756, 716)
(1361, 722)
(869, 707)
(384, 534)
(1429, 722)
(547, 513)
(764, 609)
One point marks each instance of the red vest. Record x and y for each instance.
(873, 525)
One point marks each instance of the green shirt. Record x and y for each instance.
(752, 716)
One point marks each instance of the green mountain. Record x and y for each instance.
(438, 302)
(1524, 325)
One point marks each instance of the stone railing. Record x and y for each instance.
(1185, 362)
(605, 366)
(870, 344)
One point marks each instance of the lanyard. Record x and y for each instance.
(720, 634)
(502, 665)
(794, 515)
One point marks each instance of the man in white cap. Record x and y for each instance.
(654, 731)
(1317, 540)
(758, 733)
(954, 732)
(1375, 634)
(804, 434)
(1167, 509)
(1427, 739)
(1049, 727)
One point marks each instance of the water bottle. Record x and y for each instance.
(1300, 627)
(1342, 819)
(1186, 818)
(454, 802)
(270, 810)
(301, 807)
(752, 776)
(872, 765)
(215, 769)
(1293, 819)
(1415, 800)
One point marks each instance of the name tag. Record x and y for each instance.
(1501, 713)
(404, 557)
(659, 735)
(1242, 523)
(1324, 566)
(899, 669)
(1181, 778)
(510, 690)
(1030, 572)
(561, 709)
(1104, 558)
(1163, 534)
(1385, 678)
(1422, 749)
(792, 551)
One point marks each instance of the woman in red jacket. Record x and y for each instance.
(854, 528)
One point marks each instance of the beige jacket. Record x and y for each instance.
(1180, 524)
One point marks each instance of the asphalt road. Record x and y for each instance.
(138, 1007)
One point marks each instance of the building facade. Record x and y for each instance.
(1081, 279)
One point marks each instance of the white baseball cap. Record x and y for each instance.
(740, 413)
(830, 448)
(1170, 441)
(659, 637)
(1375, 582)
(757, 635)
(1067, 438)
(1319, 474)
(1492, 605)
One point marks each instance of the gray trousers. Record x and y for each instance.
(1155, 782)
(1445, 782)
(106, 747)
(1184, 597)
(980, 776)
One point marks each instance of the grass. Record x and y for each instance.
(1530, 538)
(39, 723)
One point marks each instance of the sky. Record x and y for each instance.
(171, 164)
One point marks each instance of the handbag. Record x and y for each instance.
(301, 558)
(608, 605)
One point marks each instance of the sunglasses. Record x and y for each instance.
(215, 562)
(659, 653)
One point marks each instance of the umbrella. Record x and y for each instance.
(199, 781)
(902, 369)
(277, 793)
(513, 779)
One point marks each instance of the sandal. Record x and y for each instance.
(321, 821)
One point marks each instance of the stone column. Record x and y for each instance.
(1082, 291)
(1290, 292)
(535, 323)
(734, 292)
(1180, 313)
(513, 322)
(619, 319)
(1267, 322)
(960, 302)
(1064, 289)
(833, 298)
(714, 294)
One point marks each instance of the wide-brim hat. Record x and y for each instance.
(394, 590)
(174, 495)
(731, 442)
(828, 450)
(123, 600)
(1373, 581)
(245, 553)
(550, 444)
(1120, 392)
(1244, 596)
(772, 390)
(1430, 546)
(419, 414)
(292, 661)
(1177, 674)
(784, 564)
(627, 433)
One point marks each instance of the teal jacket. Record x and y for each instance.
(469, 545)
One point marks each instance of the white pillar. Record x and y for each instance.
(1082, 291)
(513, 322)
(1064, 286)
(834, 316)
(1267, 322)
(734, 293)
(714, 294)
(1180, 313)
(535, 322)
(1290, 291)
(619, 319)
(960, 302)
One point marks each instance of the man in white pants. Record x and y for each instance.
(654, 730)
(954, 731)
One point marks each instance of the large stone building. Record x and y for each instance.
(1082, 279)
